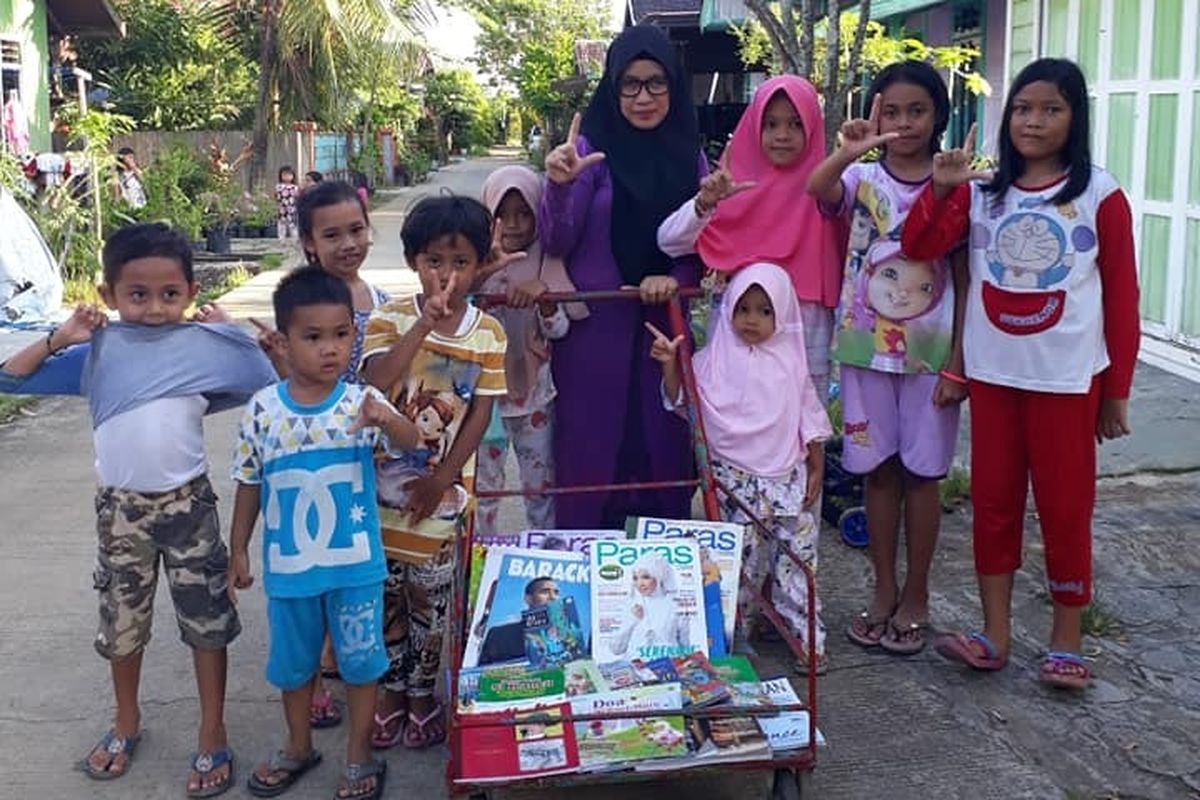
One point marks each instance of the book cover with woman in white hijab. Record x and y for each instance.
(647, 600)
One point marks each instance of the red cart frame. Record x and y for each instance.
(791, 770)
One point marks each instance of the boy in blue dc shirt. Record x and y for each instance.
(305, 460)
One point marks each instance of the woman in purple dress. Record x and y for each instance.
(637, 160)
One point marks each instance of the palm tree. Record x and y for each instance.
(307, 46)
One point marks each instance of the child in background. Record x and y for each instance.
(513, 194)
(130, 187)
(897, 341)
(286, 192)
(754, 209)
(335, 232)
(1051, 339)
(765, 426)
(305, 458)
(155, 500)
(433, 346)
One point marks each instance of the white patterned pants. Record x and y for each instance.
(764, 559)
(532, 439)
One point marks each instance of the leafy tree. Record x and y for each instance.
(460, 110)
(784, 34)
(313, 56)
(176, 68)
(529, 44)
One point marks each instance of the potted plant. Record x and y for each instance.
(247, 210)
(218, 216)
(271, 217)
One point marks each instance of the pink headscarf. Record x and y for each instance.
(777, 221)
(527, 347)
(758, 402)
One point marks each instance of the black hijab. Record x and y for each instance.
(653, 171)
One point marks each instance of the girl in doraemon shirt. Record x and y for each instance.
(1050, 337)
(654, 621)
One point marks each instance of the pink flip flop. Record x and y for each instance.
(1065, 671)
(957, 647)
(415, 737)
(380, 740)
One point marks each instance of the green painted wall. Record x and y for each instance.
(1020, 34)
(25, 20)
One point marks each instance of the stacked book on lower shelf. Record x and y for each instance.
(522, 722)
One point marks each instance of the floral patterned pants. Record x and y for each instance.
(532, 438)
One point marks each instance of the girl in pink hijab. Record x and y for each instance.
(525, 416)
(765, 426)
(755, 209)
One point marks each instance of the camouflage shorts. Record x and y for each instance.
(181, 526)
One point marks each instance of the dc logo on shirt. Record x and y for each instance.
(314, 502)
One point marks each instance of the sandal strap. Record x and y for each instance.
(114, 744)
(204, 763)
(981, 638)
(280, 761)
(423, 722)
(383, 722)
(355, 773)
(1058, 657)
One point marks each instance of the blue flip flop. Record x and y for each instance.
(205, 763)
(114, 746)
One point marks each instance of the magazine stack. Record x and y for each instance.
(589, 651)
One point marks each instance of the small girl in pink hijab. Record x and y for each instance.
(765, 426)
(526, 414)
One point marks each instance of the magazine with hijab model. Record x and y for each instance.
(721, 564)
(647, 600)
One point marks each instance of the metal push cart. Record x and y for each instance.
(790, 770)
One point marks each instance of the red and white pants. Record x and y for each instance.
(1018, 435)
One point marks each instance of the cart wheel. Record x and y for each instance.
(788, 785)
(853, 527)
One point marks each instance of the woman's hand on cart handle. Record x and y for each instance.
(657, 289)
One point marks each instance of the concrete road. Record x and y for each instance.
(902, 728)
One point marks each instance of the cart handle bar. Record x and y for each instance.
(482, 720)
(586, 297)
(604, 487)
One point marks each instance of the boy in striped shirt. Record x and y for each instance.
(440, 361)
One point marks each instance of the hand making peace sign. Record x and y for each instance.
(663, 349)
(952, 168)
(563, 163)
(496, 259)
(437, 304)
(860, 136)
(717, 186)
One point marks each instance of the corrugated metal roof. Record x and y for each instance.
(651, 10)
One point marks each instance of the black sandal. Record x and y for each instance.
(292, 768)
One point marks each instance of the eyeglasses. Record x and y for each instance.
(632, 87)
